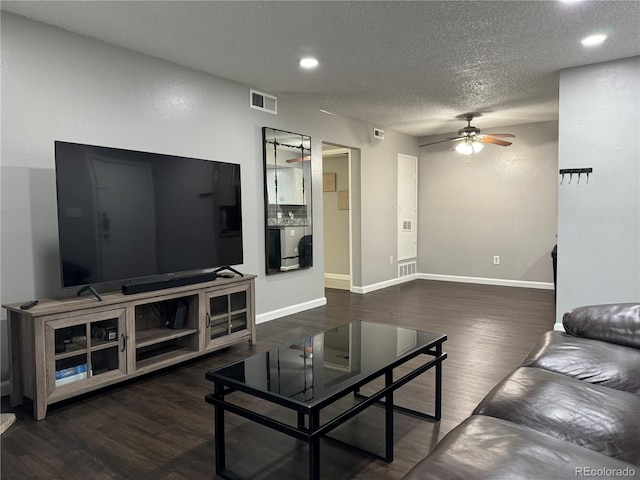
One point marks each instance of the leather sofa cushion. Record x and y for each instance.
(593, 361)
(489, 448)
(614, 323)
(599, 418)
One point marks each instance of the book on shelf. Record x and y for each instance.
(71, 374)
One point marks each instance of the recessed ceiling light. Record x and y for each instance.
(593, 40)
(309, 62)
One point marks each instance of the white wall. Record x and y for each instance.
(60, 86)
(599, 221)
(501, 201)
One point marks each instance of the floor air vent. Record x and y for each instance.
(406, 269)
(262, 101)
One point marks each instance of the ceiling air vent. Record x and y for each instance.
(378, 133)
(262, 101)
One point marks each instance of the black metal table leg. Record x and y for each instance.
(438, 407)
(388, 380)
(219, 430)
(314, 447)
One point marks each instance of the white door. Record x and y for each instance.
(407, 207)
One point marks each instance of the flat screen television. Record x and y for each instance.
(128, 216)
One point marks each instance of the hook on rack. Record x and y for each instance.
(572, 171)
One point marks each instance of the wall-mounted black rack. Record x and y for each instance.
(575, 171)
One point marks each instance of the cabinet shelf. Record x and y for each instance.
(170, 354)
(71, 353)
(73, 349)
(102, 344)
(225, 315)
(151, 336)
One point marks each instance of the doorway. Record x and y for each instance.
(338, 206)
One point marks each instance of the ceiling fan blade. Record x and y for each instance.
(450, 139)
(494, 141)
(500, 135)
(298, 159)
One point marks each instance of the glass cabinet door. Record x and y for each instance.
(227, 314)
(85, 349)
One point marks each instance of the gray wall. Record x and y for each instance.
(60, 86)
(599, 221)
(501, 201)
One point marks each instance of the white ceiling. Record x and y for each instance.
(415, 67)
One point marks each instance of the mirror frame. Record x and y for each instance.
(275, 224)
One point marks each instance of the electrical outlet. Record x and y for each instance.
(391, 259)
(496, 259)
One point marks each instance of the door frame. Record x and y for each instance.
(350, 152)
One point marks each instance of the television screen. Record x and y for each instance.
(124, 215)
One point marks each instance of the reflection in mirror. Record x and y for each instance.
(310, 366)
(287, 192)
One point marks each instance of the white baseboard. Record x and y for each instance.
(300, 307)
(290, 310)
(337, 280)
(385, 284)
(337, 276)
(487, 281)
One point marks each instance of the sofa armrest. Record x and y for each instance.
(614, 323)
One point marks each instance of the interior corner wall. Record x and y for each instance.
(355, 177)
(499, 202)
(599, 221)
(57, 85)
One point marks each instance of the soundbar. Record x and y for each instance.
(132, 288)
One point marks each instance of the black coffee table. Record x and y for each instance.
(309, 374)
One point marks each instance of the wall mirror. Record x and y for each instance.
(287, 200)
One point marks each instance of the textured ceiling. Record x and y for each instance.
(415, 67)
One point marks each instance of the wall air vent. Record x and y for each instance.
(262, 101)
(378, 133)
(407, 269)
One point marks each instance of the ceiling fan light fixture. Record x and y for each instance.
(469, 147)
(477, 146)
(464, 148)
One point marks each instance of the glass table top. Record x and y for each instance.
(314, 368)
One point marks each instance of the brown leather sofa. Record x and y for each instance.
(571, 410)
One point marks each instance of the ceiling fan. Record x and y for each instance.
(471, 139)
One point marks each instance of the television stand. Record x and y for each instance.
(227, 267)
(66, 347)
(89, 288)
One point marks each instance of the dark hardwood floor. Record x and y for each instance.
(159, 426)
